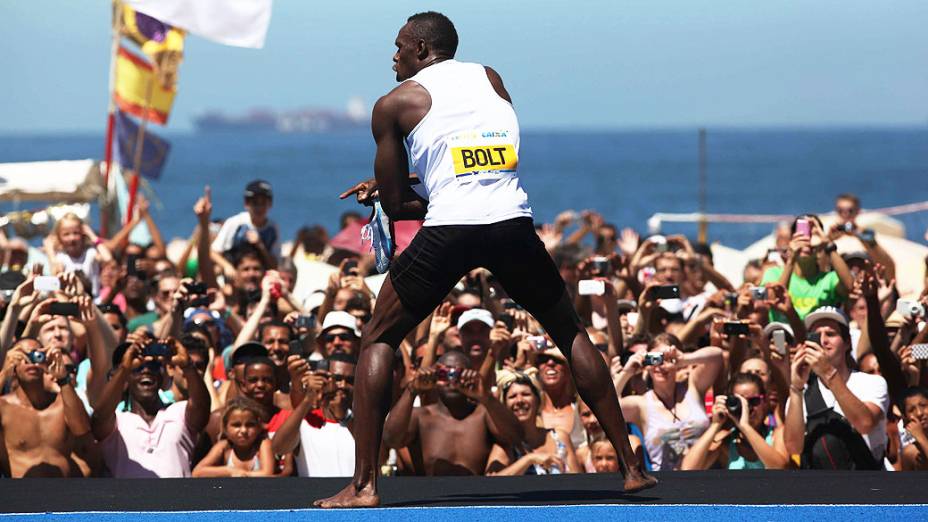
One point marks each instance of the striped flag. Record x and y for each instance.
(137, 92)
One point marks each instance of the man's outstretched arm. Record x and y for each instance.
(391, 164)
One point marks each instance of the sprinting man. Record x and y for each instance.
(463, 137)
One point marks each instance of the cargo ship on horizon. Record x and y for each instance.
(311, 121)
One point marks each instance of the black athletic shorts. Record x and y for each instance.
(438, 257)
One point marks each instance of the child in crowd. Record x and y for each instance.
(73, 247)
(605, 459)
(244, 450)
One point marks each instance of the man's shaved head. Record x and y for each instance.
(436, 30)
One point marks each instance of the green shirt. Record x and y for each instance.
(145, 319)
(806, 294)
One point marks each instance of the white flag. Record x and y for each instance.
(242, 23)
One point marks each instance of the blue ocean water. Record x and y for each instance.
(625, 175)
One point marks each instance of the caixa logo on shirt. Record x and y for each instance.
(484, 158)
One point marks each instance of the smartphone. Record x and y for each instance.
(509, 304)
(867, 236)
(591, 287)
(46, 284)
(803, 227)
(660, 243)
(735, 328)
(296, 347)
(920, 352)
(508, 320)
(908, 308)
(321, 365)
(69, 309)
(814, 337)
(759, 293)
(349, 266)
(779, 342)
(156, 350)
(666, 292)
(131, 269)
(196, 288)
(305, 321)
(600, 266)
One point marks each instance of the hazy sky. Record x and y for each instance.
(589, 64)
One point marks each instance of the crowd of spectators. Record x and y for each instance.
(118, 361)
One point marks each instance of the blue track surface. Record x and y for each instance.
(637, 513)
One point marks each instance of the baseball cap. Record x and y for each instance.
(826, 312)
(246, 351)
(314, 300)
(258, 187)
(774, 326)
(340, 320)
(856, 256)
(476, 314)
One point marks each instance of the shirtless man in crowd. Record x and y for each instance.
(41, 428)
(455, 435)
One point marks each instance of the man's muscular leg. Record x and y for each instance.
(594, 385)
(389, 323)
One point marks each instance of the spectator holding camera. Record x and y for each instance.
(808, 285)
(835, 417)
(318, 430)
(672, 415)
(42, 430)
(847, 208)
(152, 439)
(541, 451)
(738, 437)
(455, 435)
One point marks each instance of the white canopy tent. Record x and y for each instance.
(69, 181)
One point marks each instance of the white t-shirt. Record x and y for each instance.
(326, 448)
(86, 263)
(233, 231)
(867, 388)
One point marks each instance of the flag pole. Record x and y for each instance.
(110, 113)
(139, 145)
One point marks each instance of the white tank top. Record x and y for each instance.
(466, 149)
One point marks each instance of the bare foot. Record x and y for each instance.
(351, 497)
(638, 480)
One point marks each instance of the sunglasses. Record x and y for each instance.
(544, 359)
(341, 336)
(754, 402)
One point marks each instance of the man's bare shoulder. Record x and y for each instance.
(407, 95)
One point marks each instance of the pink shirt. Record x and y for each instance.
(162, 449)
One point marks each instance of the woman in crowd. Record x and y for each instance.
(740, 439)
(541, 451)
(671, 415)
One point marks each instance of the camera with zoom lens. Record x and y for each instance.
(734, 406)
